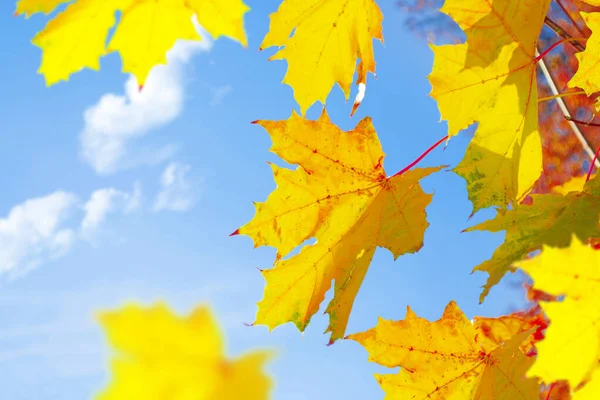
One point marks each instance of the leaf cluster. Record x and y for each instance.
(339, 193)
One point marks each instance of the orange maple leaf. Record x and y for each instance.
(450, 358)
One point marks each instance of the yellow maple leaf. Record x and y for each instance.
(551, 219)
(447, 359)
(160, 355)
(575, 184)
(76, 38)
(500, 329)
(339, 195)
(571, 348)
(491, 80)
(221, 17)
(591, 390)
(328, 37)
(29, 7)
(587, 76)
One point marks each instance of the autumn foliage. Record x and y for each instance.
(525, 72)
(160, 353)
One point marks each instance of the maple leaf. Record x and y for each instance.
(491, 79)
(498, 330)
(328, 37)
(447, 359)
(161, 355)
(575, 184)
(551, 219)
(587, 76)
(76, 38)
(591, 390)
(340, 195)
(29, 7)
(571, 349)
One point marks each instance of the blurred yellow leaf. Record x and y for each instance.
(162, 356)
(29, 7)
(76, 38)
(591, 390)
(341, 196)
(571, 349)
(448, 360)
(587, 76)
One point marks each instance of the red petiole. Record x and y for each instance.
(422, 156)
(589, 174)
(550, 391)
(554, 45)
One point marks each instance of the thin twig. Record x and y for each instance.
(542, 99)
(568, 14)
(577, 121)
(563, 107)
(555, 45)
(562, 33)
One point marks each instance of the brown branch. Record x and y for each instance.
(581, 122)
(568, 14)
(563, 107)
(563, 34)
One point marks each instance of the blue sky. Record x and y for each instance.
(108, 198)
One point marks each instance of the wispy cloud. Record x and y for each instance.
(116, 121)
(177, 193)
(46, 228)
(34, 231)
(219, 93)
(108, 200)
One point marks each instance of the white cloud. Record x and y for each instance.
(34, 231)
(177, 193)
(219, 93)
(117, 120)
(108, 200)
(45, 228)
